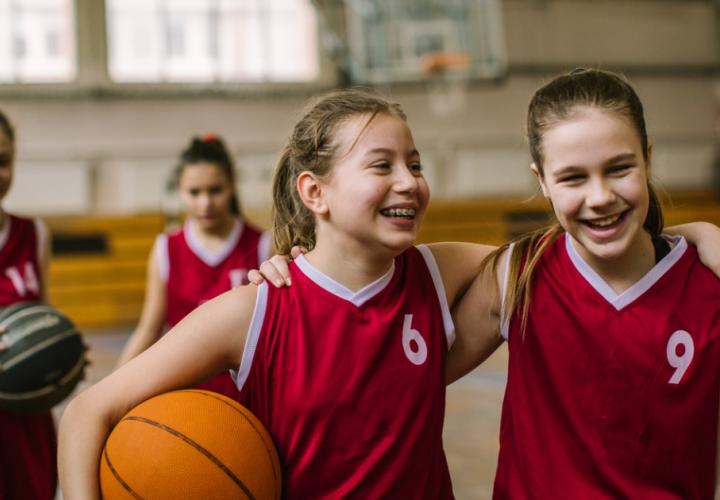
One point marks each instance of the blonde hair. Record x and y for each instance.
(312, 148)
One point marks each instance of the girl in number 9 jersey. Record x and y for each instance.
(613, 327)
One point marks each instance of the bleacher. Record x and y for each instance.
(97, 274)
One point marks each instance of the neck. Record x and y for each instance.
(624, 271)
(351, 268)
(214, 237)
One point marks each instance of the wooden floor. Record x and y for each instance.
(471, 422)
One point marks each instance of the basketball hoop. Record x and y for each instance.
(447, 76)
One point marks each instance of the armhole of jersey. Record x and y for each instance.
(505, 324)
(264, 247)
(41, 237)
(440, 290)
(253, 335)
(161, 254)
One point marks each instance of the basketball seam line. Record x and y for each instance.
(48, 388)
(37, 347)
(119, 479)
(199, 448)
(252, 424)
(30, 310)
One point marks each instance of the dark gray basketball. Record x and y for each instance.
(44, 357)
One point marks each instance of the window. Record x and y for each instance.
(212, 40)
(37, 41)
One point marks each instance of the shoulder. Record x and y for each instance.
(458, 263)
(231, 311)
(19, 221)
(173, 233)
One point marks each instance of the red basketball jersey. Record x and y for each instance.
(27, 441)
(194, 275)
(613, 395)
(351, 385)
(21, 245)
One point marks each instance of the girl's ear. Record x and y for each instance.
(311, 193)
(540, 179)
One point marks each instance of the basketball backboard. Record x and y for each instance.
(389, 39)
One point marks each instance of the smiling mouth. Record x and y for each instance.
(606, 222)
(403, 213)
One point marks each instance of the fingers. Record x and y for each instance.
(297, 251)
(255, 277)
(276, 271)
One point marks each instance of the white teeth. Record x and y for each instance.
(607, 221)
(399, 212)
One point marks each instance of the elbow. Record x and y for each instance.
(81, 413)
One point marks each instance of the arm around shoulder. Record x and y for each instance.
(706, 237)
(459, 263)
(477, 318)
(208, 340)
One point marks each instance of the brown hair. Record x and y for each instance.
(209, 148)
(312, 148)
(551, 104)
(7, 127)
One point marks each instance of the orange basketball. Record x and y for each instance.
(189, 444)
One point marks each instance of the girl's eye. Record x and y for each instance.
(571, 179)
(382, 165)
(415, 166)
(619, 169)
(215, 190)
(194, 192)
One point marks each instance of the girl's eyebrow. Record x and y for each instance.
(412, 152)
(621, 157)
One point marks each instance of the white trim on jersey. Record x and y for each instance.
(212, 259)
(619, 301)
(440, 290)
(505, 324)
(264, 247)
(324, 281)
(253, 335)
(5, 231)
(161, 254)
(41, 237)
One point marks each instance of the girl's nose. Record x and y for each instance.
(599, 194)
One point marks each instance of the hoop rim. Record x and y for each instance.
(437, 63)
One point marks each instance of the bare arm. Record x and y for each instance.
(476, 310)
(477, 325)
(459, 263)
(706, 237)
(210, 338)
(152, 318)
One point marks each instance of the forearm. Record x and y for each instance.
(142, 338)
(81, 438)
